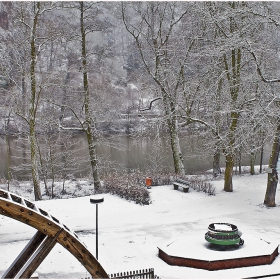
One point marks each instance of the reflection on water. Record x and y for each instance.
(70, 155)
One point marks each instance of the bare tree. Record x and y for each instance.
(154, 27)
(89, 17)
(234, 78)
(28, 18)
(272, 178)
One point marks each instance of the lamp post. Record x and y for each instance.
(96, 199)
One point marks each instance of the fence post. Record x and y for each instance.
(152, 273)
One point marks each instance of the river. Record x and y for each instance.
(115, 153)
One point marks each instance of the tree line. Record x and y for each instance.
(204, 66)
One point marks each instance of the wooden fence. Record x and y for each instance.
(137, 274)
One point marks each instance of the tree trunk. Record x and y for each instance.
(230, 156)
(272, 178)
(177, 154)
(217, 118)
(233, 76)
(232, 64)
(216, 163)
(252, 162)
(52, 167)
(228, 186)
(44, 171)
(239, 161)
(33, 109)
(170, 113)
(261, 159)
(34, 162)
(23, 91)
(94, 162)
(89, 123)
(8, 159)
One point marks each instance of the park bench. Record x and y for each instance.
(182, 184)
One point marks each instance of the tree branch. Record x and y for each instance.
(68, 128)
(23, 117)
(260, 72)
(194, 120)
(151, 103)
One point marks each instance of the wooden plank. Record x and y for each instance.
(25, 254)
(37, 258)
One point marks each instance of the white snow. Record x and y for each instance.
(130, 234)
(132, 86)
(222, 227)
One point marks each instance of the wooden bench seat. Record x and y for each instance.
(182, 184)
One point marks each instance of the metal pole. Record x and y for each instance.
(97, 231)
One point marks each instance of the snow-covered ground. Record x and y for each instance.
(129, 234)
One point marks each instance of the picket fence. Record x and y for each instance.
(137, 274)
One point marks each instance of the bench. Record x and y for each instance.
(182, 184)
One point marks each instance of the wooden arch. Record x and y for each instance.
(49, 231)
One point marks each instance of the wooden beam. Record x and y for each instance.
(37, 258)
(25, 254)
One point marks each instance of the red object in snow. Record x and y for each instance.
(149, 182)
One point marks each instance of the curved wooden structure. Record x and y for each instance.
(49, 231)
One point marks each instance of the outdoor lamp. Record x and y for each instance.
(96, 199)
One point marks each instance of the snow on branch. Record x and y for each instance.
(277, 23)
(190, 120)
(73, 112)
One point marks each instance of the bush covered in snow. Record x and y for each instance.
(200, 185)
(127, 187)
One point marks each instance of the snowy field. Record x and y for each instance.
(129, 234)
